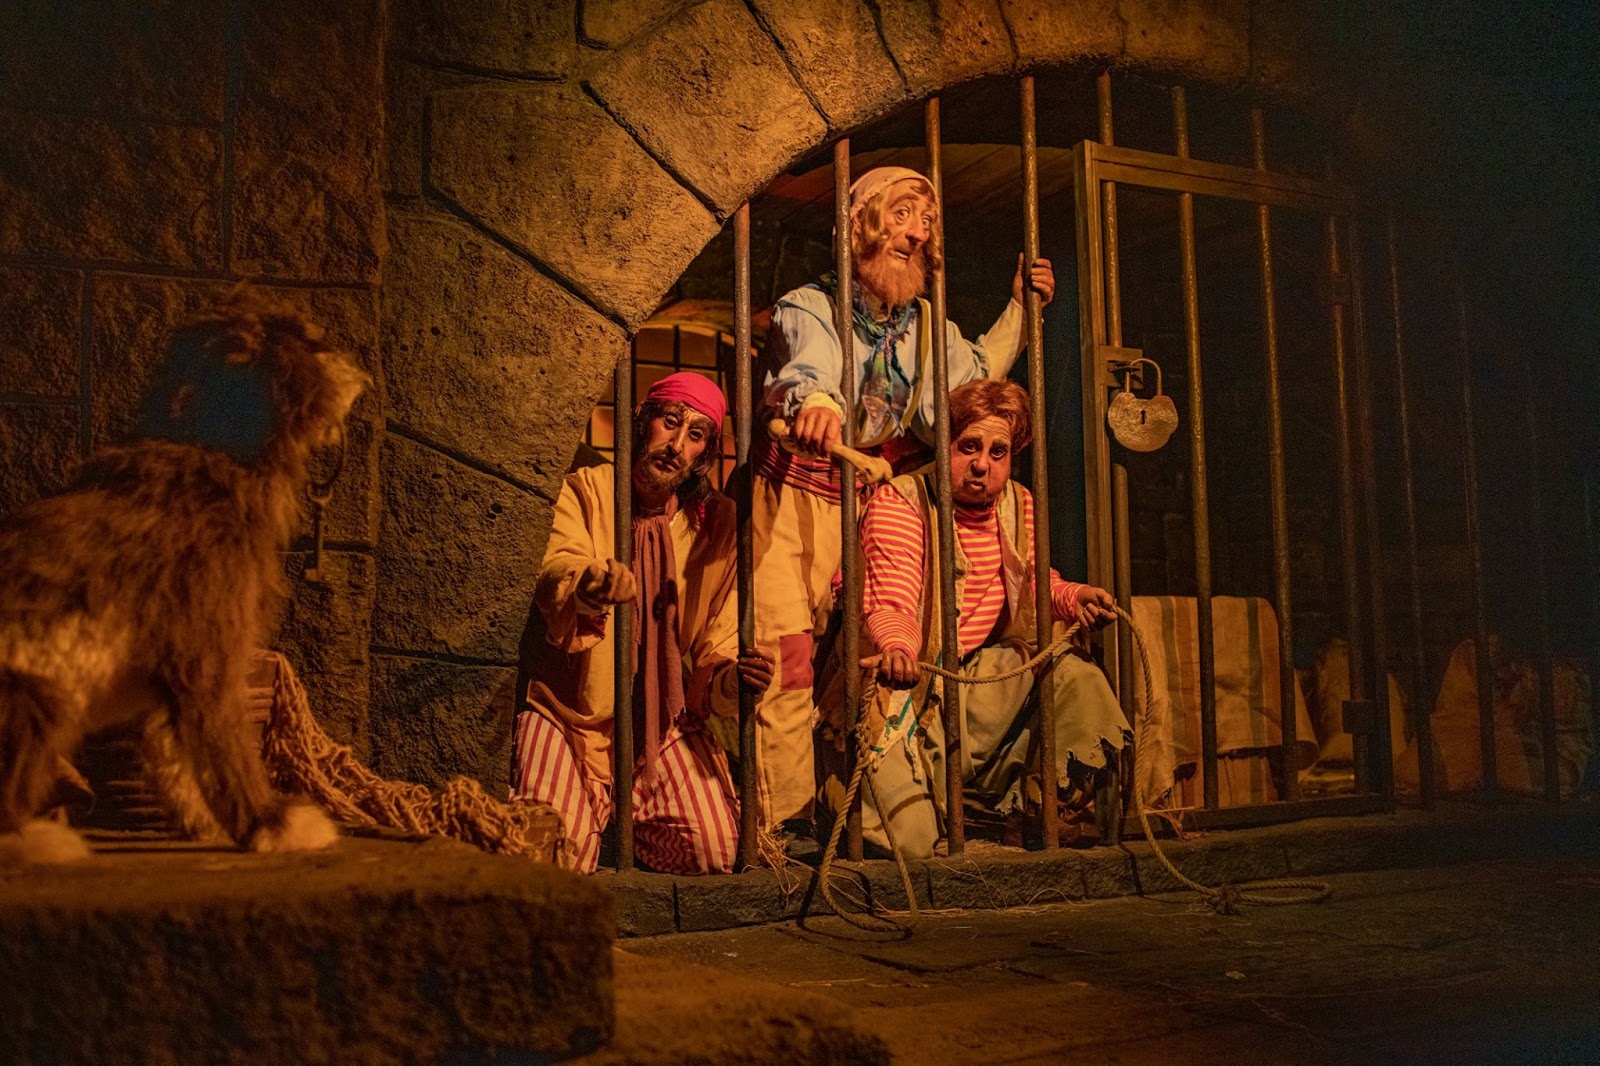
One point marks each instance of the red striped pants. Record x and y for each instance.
(685, 819)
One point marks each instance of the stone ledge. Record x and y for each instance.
(378, 950)
(988, 876)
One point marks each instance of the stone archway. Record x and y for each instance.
(548, 181)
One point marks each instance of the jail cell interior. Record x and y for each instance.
(1309, 540)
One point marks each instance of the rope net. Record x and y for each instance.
(301, 758)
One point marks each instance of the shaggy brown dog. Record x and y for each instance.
(139, 594)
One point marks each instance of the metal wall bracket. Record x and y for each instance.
(1360, 717)
(1124, 361)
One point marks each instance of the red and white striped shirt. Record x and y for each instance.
(892, 536)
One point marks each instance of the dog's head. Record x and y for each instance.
(253, 378)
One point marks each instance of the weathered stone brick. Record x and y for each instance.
(838, 54)
(326, 633)
(38, 451)
(505, 36)
(433, 720)
(408, 85)
(41, 329)
(80, 187)
(460, 552)
(155, 62)
(552, 173)
(709, 93)
(308, 139)
(610, 23)
(1207, 41)
(942, 44)
(480, 342)
(1050, 31)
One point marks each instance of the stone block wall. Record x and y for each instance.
(152, 155)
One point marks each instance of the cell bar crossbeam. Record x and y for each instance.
(1131, 166)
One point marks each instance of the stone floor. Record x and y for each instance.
(1482, 962)
(1457, 935)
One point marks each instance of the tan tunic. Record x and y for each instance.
(573, 682)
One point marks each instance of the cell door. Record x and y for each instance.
(1273, 257)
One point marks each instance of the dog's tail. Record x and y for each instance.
(31, 713)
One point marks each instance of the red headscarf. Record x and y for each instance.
(693, 391)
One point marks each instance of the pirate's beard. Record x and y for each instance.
(651, 480)
(894, 281)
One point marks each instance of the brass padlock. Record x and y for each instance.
(1139, 424)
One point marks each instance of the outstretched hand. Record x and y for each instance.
(897, 669)
(606, 582)
(1042, 278)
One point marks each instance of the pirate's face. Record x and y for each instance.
(674, 441)
(980, 461)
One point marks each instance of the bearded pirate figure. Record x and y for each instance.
(686, 666)
(795, 507)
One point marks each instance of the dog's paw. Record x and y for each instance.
(301, 827)
(42, 842)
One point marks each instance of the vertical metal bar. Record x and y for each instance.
(1281, 585)
(844, 327)
(949, 617)
(1422, 689)
(622, 631)
(1549, 737)
(1480, 588)
(1591, 531)
(1348, 544)
(749, 801)
(1045, 686)
(1121, 654)
(1382, 748)
(1197, 463)
(1097, 493)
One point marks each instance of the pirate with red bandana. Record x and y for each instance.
(795, 496)
(687, 665)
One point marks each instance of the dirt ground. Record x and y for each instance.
(1483, 963)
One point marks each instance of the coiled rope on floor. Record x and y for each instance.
(1224, 899)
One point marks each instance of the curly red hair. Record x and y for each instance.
(977, 400)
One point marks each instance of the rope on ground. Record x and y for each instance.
(301, 758)
(1224, 899)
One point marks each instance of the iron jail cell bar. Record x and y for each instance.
(949, 616)
(1120, 653)
(1281, 585)
(1044, 684)
(1480, 588)
(622, 694)
(1199, 496)
(749, 812)
(1421, 720)
(1380, 744)
(850, 635)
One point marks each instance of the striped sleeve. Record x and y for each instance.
(1063, 593)
(891, 540)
